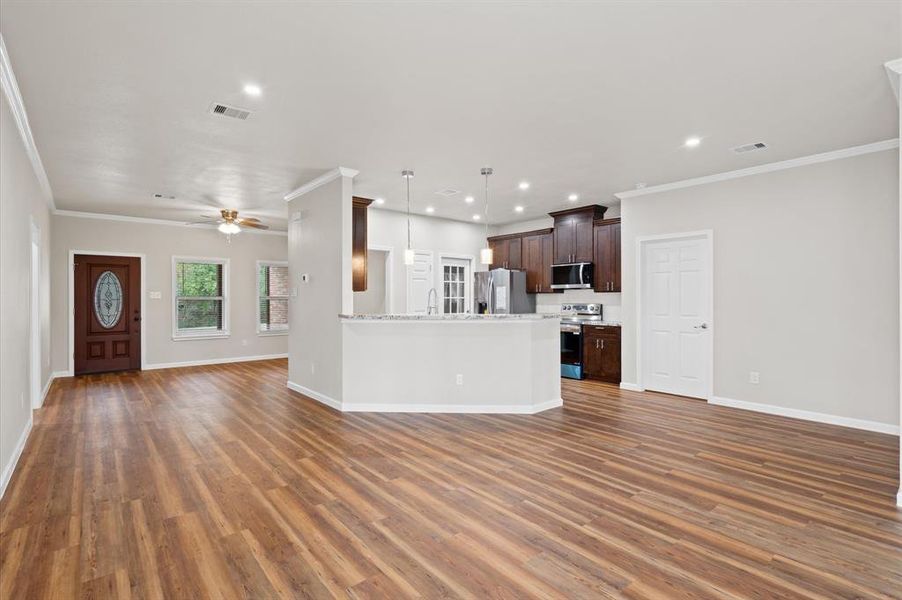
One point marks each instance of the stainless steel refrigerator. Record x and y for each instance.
(502, 292)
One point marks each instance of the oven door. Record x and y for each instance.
(571, 277)
(571, 351)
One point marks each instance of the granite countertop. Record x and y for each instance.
(458, 317)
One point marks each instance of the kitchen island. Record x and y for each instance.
(451, 363)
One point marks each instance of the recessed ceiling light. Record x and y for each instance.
(430, 209)
(524, 185)
(518, 208)
(692, 142)
(469, 199)
(476, 217)
(573, 197)
(380, 200)
(252, 89)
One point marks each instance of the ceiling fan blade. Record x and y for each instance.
(248, 219)
(254, 225)
(204, 219)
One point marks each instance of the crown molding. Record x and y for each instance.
(150, 221)
(321, 180)
(17, 107)
(766, 168)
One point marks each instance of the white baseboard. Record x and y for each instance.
(17, 453)
(477, 409)
(631, 387)
(807, 415)
(425, 408)
(212, 361)
(321, 398)
(899, 498)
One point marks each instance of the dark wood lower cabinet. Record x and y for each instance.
(601, 352)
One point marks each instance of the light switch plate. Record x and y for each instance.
(156, 295)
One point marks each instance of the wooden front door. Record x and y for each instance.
(107, 313)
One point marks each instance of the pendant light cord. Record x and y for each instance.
(487, 206)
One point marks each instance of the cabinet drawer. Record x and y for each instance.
(601, 330)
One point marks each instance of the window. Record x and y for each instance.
(455, 285)
(272, 297)
(200, 287)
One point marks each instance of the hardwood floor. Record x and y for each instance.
(219, 482)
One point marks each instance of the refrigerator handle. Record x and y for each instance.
(491, 296)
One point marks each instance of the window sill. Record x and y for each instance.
(199, 336)
(272, 333)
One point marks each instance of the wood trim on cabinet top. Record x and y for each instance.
(362, 202)
(596, 209)
(611, 221)
(513, 236)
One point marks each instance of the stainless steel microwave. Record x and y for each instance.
(571, 276)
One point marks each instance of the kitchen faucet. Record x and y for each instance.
(432, 302)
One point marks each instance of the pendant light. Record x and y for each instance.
(407, 174)
(486, 256)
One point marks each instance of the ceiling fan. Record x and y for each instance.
(230, 223)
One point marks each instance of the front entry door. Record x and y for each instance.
(676, 316)
(107, 313)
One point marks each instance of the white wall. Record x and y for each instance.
(21, 203)
(319, 245)
(372, 301)
(160, 243)
(387, 228)
(552, 302)
(805, 283)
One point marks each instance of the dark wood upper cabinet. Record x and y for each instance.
(607, 255)
(601, 353)
(506, 252)
(358, 243)
(530, 251)
(574, 239)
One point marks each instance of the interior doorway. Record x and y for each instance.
(675, 308)
(419, 282)
(456, 284)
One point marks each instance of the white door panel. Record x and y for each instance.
(419, 281)
(676, 301)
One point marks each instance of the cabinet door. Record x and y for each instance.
(592, 361)
(547, 261)
(615, 267)
(610, 359)
(563, 240)
(514, 253)
(499, 253)
(607, 258)
(532, 261)
(583, 238)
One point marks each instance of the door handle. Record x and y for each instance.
(596, 344)
(702, 326)
(602, 344)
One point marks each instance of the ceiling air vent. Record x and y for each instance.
(448, 192)
(229, 111)
(750, 148)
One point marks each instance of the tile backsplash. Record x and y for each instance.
(546, 303)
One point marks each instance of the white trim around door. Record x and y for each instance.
(642, 243)
(71, 301)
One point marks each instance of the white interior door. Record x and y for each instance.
(676, 316)
(419, 281)
(35, 326)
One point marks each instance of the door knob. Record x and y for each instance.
(702, 326)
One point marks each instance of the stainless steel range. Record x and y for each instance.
(573, 316)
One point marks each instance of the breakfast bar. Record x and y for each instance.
(451, 363)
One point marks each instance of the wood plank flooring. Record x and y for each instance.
(218, 482)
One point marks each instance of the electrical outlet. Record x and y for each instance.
(754, 377)
(459, 379)
(244, 342)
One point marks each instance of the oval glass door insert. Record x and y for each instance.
(108, 299)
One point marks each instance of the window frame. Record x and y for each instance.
(206, 333)
(270, 263)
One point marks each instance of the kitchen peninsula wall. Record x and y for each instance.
(552, 302)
